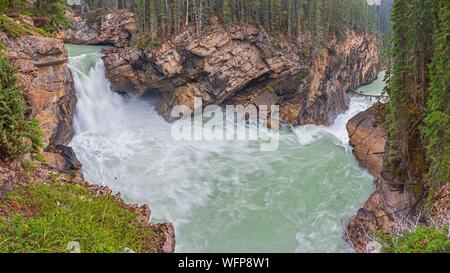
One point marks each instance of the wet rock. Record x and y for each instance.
(116, 28)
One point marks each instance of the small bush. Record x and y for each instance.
(19, 135)
(419, 240)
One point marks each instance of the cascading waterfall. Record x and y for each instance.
(221, 196)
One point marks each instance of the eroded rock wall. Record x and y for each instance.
(245, 65)
(393, 205)
(368, 139)
(46, 82)
(341, 67)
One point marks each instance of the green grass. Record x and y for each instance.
(420, 240)
(46, 217)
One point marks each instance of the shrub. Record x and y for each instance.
(19, 134)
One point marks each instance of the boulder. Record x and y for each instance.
(63, 159)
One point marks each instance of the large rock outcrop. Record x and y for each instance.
(368, 139)
(115, 28)
(46, 82)
(342, 67)
(317, 92)
(214, 67)
(245, 65)
(393, 205)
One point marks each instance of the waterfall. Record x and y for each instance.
(221, 196)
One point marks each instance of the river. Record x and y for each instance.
(221, 196)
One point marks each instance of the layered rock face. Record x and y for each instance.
(214, 67)
(342, 67)
(392, 202)
(115, 29)
(368, 139)
(46, 82)
(244, 65)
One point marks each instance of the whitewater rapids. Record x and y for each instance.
(221, 196)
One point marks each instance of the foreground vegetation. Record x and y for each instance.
(19, 134)
(419, 240)
(46, 217)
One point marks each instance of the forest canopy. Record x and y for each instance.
(321, 19)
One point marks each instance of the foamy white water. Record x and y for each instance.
(221, 196)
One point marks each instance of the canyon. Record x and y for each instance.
(244, 65)
(229, 64)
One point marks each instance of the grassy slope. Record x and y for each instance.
(45, 217)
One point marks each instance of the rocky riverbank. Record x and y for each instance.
(393, 207)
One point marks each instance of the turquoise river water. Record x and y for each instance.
(221, 196)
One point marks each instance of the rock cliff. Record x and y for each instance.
(46, 82)
(393, 206)
(368, 138)
(245, 65)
